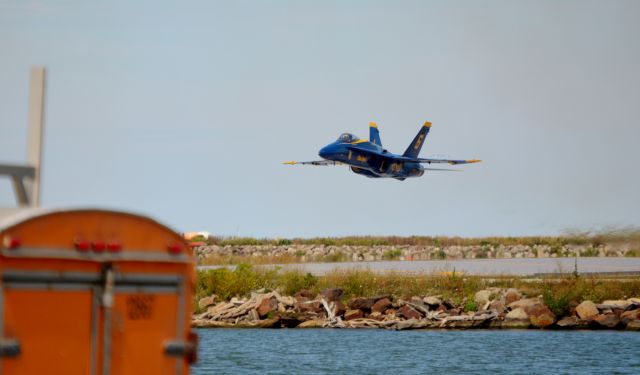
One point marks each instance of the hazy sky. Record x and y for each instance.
(184, 111)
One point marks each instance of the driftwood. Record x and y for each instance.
(363, 323)
(332, 320)
(240, 308)
(244, 313)
(421, 309)
(469, 318)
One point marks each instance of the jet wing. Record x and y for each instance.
(414, 160)
(315, 162)
(447, 161)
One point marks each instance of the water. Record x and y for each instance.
(334, 351)
(523, 266)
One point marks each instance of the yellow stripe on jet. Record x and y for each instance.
(290, 162)
(373, 125)
(427, 124)
(359, 141)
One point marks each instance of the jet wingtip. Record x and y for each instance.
(427, 124)
(290, 162)
(474, 161)
(373, 125)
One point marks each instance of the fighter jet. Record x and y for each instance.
(369, 158)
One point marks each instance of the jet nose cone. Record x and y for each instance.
(325, 152)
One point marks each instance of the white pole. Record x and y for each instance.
(34, 140)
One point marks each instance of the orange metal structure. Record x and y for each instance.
(94, 292)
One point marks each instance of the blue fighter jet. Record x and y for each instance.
(370, 159)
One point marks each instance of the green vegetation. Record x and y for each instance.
(393, 254)
(589, 245)
(590, 252)
(440, 254)
(632, 253)
(557, 292)
(482, 253)
(470, 305)
(595, 239)
(338, 256)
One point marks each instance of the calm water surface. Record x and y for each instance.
(325, 351)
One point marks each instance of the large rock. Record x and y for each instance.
(540, 316)
(289, 319)
(418, 302)
(524, 303)
(314, 323)
(301, 300)
(514, 324)
(310, 307)
(511, 295)
(205, 302)
(303, 293)
(497, 306)
(633, 325)
(517, 314)
(630, 315)
(482, 297)
(266, 306)
(567, 322)
(339, 308)
(381, 305)
(432, 301)
(606, 320)
(587, 310)
(376, 315)
(361, 303)
(486, 295)
(332, 294)
(409, 312)
(287, 301)
(620, 304)
(353, 314)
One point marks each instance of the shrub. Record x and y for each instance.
(590, 252)
(558, 301)
(392, 254)
(440, 254)
(338, 256)
(632, 253)
(293, 281)
(470, 305)
(482, 253)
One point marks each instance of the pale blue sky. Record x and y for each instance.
(184, 111)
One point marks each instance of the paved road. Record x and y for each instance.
(520, 267)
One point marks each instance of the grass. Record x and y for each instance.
(595, 239)
(590, 243)
(297, 257)
(557, 293)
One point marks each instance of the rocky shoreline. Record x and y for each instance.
(324, 253)
(495, 308)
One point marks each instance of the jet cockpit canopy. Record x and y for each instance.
(347, 138)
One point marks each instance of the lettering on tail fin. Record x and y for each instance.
(419, 142)
(416, 145)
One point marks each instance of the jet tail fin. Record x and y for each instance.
(414, 148)
(374, 134)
